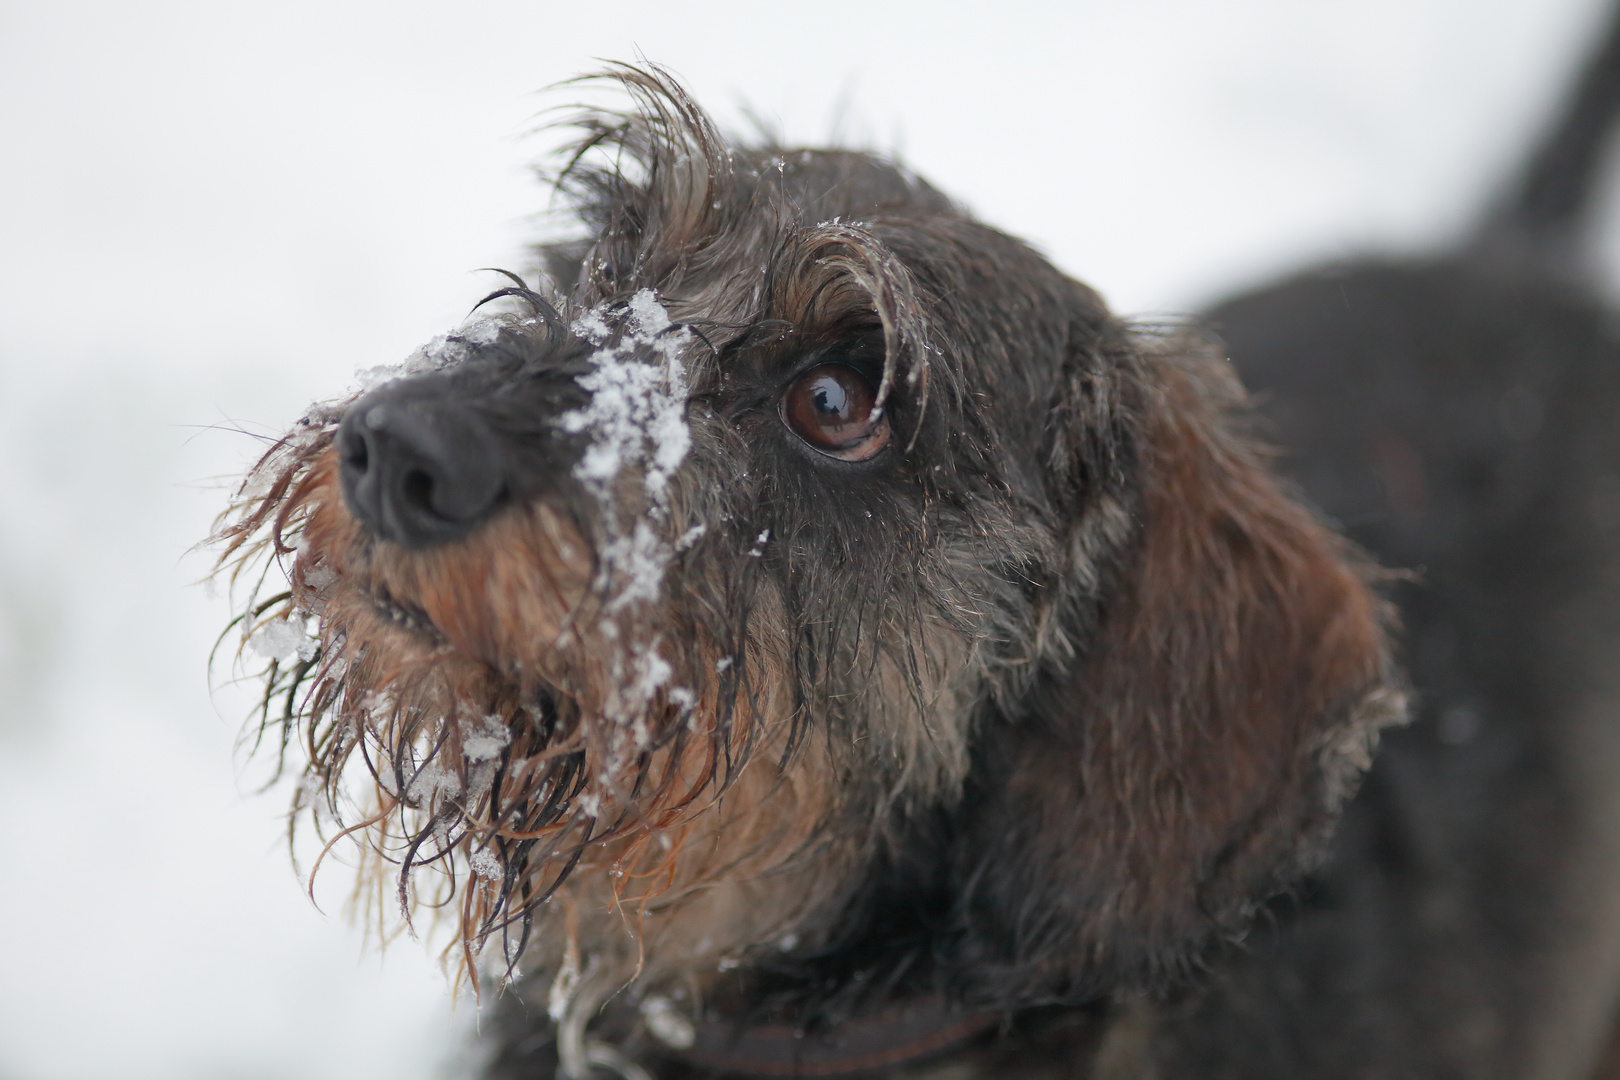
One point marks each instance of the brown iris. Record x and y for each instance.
(830, 407)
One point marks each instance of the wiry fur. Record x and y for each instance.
(1032, 707)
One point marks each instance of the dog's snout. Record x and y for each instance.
(418, 469)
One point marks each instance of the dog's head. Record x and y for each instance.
(817, 586)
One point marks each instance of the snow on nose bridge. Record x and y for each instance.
(637, 411)
(635, 419)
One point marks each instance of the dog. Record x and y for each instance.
(818, 638)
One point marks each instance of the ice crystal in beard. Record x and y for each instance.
(282, 639)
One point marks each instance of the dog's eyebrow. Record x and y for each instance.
(836, 254)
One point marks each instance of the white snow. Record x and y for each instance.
(282, 639)
(485, 865)
(441, 352)
(648, 315)
(652, 672)
(635, 421)
(690, 537)
(637, 409)
(318, 578)
(433, 783)
(591, 326)
(486, 741)
(638, 562)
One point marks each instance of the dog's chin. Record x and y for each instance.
(703, 881)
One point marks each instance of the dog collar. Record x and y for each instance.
(896, 1036)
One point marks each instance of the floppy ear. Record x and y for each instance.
(1190, 763)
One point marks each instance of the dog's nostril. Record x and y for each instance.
(417, 490)
(353, 453)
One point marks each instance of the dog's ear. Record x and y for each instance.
(1190, 760)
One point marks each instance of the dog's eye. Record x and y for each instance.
(830, 407)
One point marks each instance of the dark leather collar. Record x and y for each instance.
(898, 1035)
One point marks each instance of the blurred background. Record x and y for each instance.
(212, 213)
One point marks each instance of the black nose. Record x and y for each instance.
(418, 469)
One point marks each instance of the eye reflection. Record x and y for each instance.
(830, 407)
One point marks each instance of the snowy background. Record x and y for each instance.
(211, 213)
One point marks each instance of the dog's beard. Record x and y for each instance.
(591, 790)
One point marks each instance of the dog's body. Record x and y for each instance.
(821, 639)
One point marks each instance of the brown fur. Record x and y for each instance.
(1229, 705)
